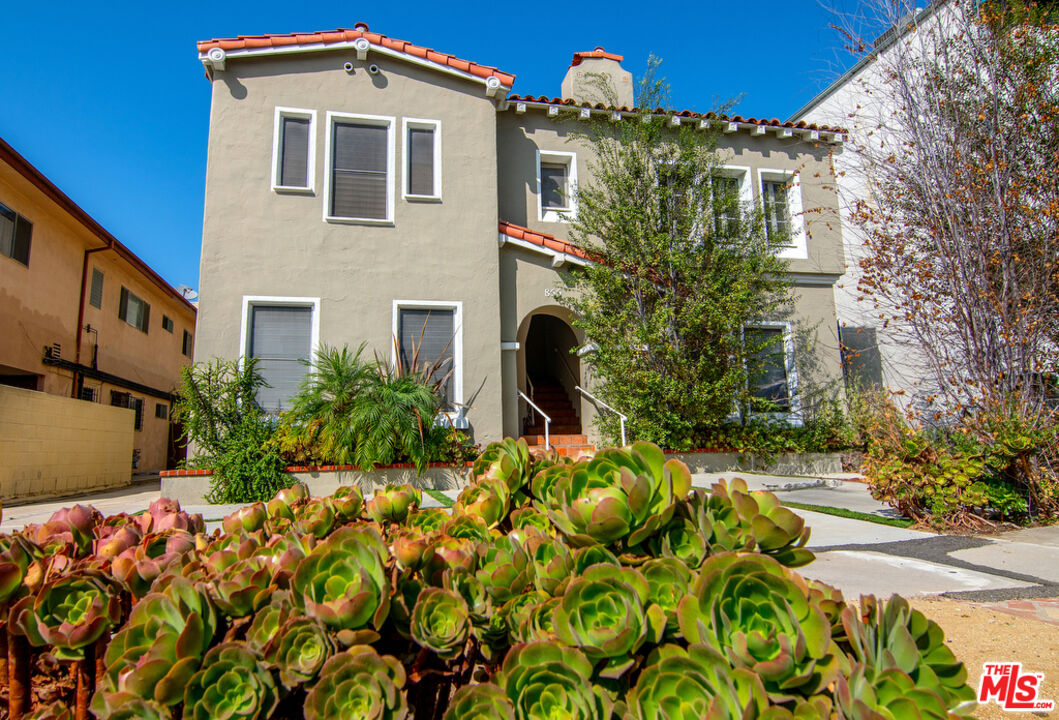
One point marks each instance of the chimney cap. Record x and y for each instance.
(599, 52)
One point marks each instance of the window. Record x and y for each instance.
(87, 394)
(771, 369)
(15, 235)
(161, 410)
(125, 400)
(133, 310)
(281, 334)
(781, 195)
(167, 324)
(429, 334)
(188, 345)
(422, 159)
(95, 295)
(556, 185)
(294, 150)
(727, 213)
(360, 169)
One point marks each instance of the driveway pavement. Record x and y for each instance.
(857, 556)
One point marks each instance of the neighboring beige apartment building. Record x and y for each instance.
(81, 316)
(364, 189)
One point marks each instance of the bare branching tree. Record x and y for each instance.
(959, 209)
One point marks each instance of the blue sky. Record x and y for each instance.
(109, 100)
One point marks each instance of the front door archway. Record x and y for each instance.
(549, 372)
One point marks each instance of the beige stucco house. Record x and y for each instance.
(81, 316)
(364, 189)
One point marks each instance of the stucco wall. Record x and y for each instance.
(52, 446)
(39, 307)
(257, 242)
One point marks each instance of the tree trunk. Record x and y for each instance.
(18, 690)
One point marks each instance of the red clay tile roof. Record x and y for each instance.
(774, 122)
(344, 35)
(597, 53)
(543, 239)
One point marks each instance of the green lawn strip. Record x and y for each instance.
(852, 514)
(441, 497)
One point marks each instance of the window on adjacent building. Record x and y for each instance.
(167, 323)
(557, 185)
(422, 151)
(161, 410)
(361, 163)
(125, 400)
(280, 338)
(427, 337)
(16, 233)
(134, 310)
(293, 150)
(770, 366)
(95, 295)
(188, 344)
(87, 394)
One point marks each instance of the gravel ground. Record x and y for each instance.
(979, 635)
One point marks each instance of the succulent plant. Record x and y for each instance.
(268, 621)
(668, 581)
(165, 514)
(468, 527)
(112, 540)
(412, 549)
(528, 517)
(586, 557)
(759, 615)
(316, 517)
(681, 539)
(605, 614)
(504, 568)
(545, 681)
(536, 622)
(281, 508)
(427, 520)
(299, 650)
(552, 565)
(161, 646)
(126, 706)
(248, 519)
(16, 555)
(74, 611)
(51, 711)
(891, 635)
(358, 684)
(441, 621)
(890, 695)
(347, 503)
(138, 567)
(776, 530)
(392, 503)
(508, 461)
(284, 552)
(484, 701)
(232, 684)
(693, 683)
(343, 582)
(449, 553)
(488, 499)
(243, 587)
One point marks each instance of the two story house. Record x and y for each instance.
(364, 189)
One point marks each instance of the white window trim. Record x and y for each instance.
(387, 121)
(797, 249)
(742, 174)
(420, 123)
(250, 301)
(794, 415)
(277, 154)
(556, 214)
(457, 343)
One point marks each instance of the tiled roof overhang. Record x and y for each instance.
(560, 250)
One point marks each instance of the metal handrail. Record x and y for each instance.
(596, 400)
(547, 420)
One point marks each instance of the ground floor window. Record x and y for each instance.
(771, 369)
(428, 334)
(125, 400)
(281, 336)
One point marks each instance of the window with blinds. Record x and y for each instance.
(294, 152)
(134, 310)
(95, 295)
(555, 186)
(422, 151)
(360, 183)
(427, 338)
(777, 209)
(281, 342)
(16, 233)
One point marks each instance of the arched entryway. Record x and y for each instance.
(549, 373)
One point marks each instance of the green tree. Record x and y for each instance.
(682, 267)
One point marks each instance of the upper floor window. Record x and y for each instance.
(781, 194)
(360, 169)
(294, 150)
(422, 159)
(16, 233)
(167, 323)
(188, 345)
(281, 334)
(730, 194)
(95, 295)
(134, 310)
(556, 185)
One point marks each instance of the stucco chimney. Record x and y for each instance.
(581, 81)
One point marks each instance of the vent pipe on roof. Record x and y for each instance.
(597, 76)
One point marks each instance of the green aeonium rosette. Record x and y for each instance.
(441, 621)
(232, 684)
(74, 611)
(358, 684)
(545, 681)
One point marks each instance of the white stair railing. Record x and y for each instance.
(547, 420)
(599, 402)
